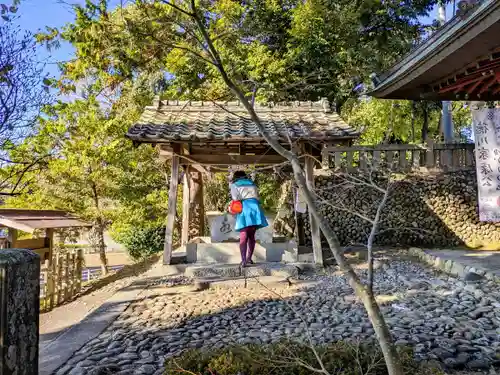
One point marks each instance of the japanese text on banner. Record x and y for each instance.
(487, 137)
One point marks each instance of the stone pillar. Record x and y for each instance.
(19, 311)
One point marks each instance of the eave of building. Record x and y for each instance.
(450, 51)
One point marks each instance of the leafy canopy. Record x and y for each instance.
(275, 49)
(90, 167)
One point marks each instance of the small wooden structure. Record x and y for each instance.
(30, 221)
(61, 274)
(203, 136)
(461, 61)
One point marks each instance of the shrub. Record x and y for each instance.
(143, 242)
(289, 358)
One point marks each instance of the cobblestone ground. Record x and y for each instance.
(442, 318)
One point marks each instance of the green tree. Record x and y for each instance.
(383, 121)
(150, 36)
(275, 49)
(92, 169)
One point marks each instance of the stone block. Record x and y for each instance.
(447, 266)
(20, 308)
(290, 257)
(222, 228)
(234, 271)
(229, 252)
(480, 271)
(489, 276)
(416, 251)
(457, 269)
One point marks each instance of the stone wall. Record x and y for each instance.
(423, 210)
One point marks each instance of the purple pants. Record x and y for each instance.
(247, 243)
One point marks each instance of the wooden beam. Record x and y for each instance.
(488, 84)
(315, 232)
(172, 205)
(185, 205)
(214, 159)
(460, 84)
(473, 88)
(496, 91)
(199, 168)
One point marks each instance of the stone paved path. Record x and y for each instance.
(442, 318)
(60, 319)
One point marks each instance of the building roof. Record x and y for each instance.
(29, 220)
(441, 67)
(179, 121)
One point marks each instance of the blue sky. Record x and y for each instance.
(35, 15)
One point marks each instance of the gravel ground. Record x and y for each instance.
(442, 318)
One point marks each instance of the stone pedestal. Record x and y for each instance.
(19, 312)
(222, 228)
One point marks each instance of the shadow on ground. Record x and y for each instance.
(170, 320)
(129, 270)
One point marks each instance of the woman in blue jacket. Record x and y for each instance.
(251, 217)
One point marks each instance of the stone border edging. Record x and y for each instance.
(56, 353)
(451, 267)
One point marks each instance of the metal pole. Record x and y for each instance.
(446, 120)
(413, 121)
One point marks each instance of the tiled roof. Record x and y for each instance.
(208, 121)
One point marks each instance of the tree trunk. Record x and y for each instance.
(373, 233)
(102, 246)
(382, 331)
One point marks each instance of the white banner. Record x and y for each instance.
(487, 137)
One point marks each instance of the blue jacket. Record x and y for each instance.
(244, 190)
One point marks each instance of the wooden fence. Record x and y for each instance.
(61, 279)
(398, 157)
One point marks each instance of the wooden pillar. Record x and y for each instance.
(196, 204)
(186, 212)
(315, 232)
(193, 207)
(299, 221)
(12, 238)
(49, 233)
(172, 205)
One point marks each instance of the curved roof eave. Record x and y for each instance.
(426, 53)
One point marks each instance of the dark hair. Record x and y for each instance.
(238, 175)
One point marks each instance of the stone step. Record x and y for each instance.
(242, 282)
(229, 252)
(292, 256)
(235, 271)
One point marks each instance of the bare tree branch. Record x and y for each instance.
(390, 354)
